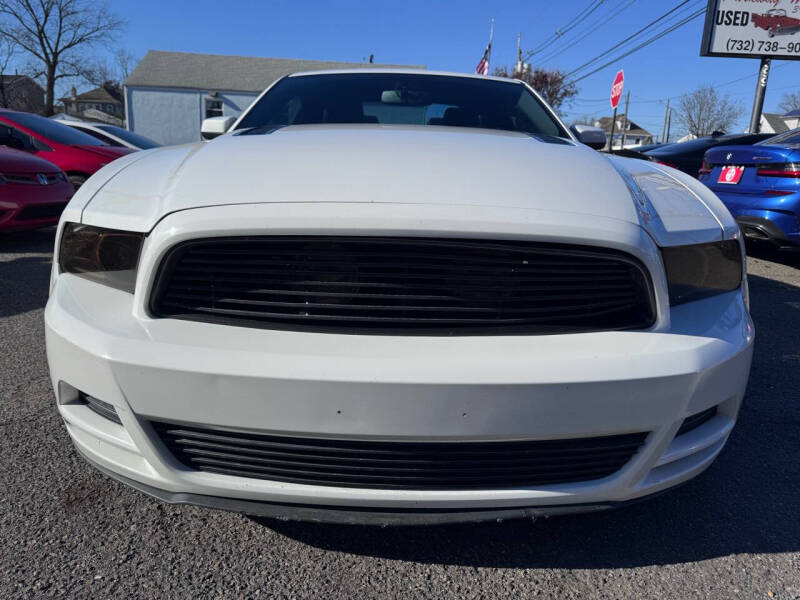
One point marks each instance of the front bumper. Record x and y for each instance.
(24, 207)
(101, 341)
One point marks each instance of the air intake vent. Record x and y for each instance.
(403, 286)
(104, 409)
(399, 465)
(696, 420)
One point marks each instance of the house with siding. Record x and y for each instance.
(105, 102)
(168, 94)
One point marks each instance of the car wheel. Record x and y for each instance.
(771, 32)
(77, 181)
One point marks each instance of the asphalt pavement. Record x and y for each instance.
(67, 531)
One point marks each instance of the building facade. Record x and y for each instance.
(106, 99)
(634, 135)
(20, 92)
(168, 94)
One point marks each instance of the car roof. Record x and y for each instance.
(384, 71)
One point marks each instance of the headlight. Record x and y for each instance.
(106, 256)
(702, 270)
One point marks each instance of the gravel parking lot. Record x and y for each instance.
(67, 531)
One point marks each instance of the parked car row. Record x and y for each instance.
(757, 177)
(43, 161)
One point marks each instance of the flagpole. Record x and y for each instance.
(491, 37)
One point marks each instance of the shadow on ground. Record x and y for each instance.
(744, 503)
(24, 279)
(790, 258)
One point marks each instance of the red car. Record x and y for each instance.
(776, 22)
(33, 192)
(77, 154)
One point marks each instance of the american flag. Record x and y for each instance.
(483, 65)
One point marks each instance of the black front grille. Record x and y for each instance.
(41, 211)
(399, 465)
(403, 285)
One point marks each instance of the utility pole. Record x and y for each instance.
(758, 101)
(519, 66)
(613, 126)
(669, 124)
(625, 125)
(664, 128)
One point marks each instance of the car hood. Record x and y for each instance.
(17, 161)
(371, 164)
(111, 152)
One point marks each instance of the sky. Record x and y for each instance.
(452, 35)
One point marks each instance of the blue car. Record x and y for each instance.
(760, 185)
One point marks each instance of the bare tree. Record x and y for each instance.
(125, 63)
(100, 72)
(56, 33)
(552, 85)
(790, 102)
(7, 52)
(704, 111)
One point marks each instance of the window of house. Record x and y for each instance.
(213, 108)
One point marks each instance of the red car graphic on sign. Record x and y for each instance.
(776, 22)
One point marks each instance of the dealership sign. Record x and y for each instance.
(752, 29)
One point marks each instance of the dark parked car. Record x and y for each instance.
(688, 156)
(646, 147)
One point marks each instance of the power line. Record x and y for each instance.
(572, 23)
(584, 33)
(629, 38)
(647, 42)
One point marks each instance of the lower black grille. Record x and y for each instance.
(403, 285)
(399, 465)
(41, 211)
(696, 420)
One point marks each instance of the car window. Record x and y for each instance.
(132, 138)
(790, 138)
(98, 135)
(53, 130)
(398, 98)
(13, 138)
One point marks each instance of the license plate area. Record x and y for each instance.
(730, 175)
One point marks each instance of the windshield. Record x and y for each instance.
(132, 138)
(53, 130)
(402, 99)
(789, 138)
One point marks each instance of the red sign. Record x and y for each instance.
(731, 175)
(616, 89)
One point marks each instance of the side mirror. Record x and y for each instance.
(215, 127)
(594, 137)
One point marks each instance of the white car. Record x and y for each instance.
(397, 297)
(112, 135)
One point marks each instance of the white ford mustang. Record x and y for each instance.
(397, 296)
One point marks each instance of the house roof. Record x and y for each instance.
(792, 113)
(100, 94)
(222, 72)
(9, 80)
(605, 123)
(776, 122)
